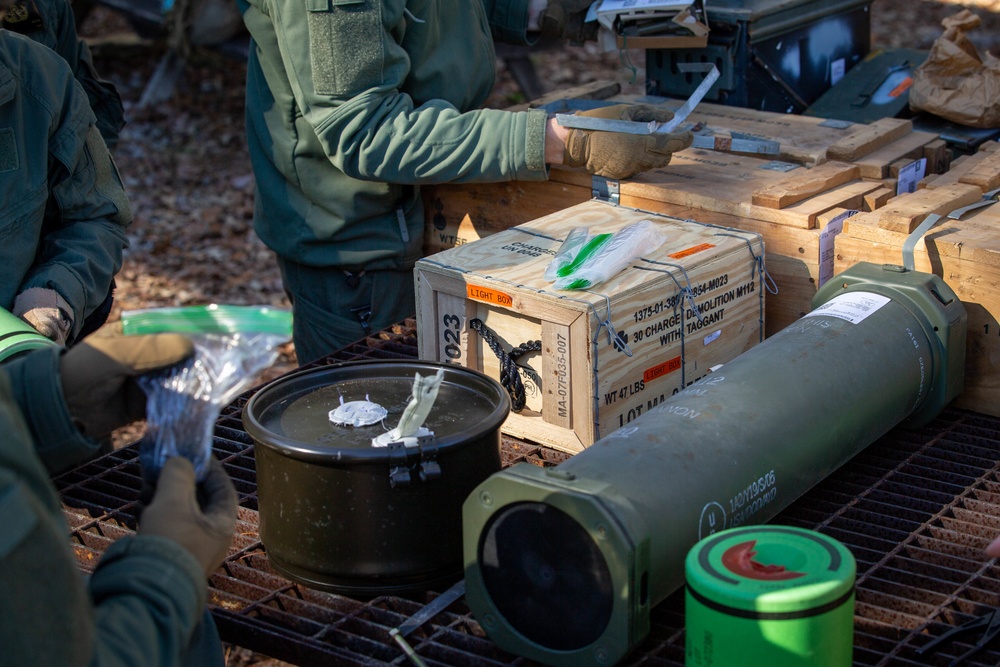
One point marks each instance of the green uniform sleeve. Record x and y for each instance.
(85, 230)
(140, 606)
(348, 65)
(38, 393)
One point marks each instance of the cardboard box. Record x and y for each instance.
(964, 251)
(608, 353)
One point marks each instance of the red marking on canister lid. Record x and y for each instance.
(739, 559)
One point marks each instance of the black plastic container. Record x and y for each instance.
(340, 515)
(772, 55)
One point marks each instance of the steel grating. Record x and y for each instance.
(916, 509)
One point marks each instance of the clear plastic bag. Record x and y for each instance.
(583, 261)
(233, 344)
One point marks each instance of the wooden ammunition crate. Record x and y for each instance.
(708, 187)
(792, 202)
(609, 353)
(964, 251)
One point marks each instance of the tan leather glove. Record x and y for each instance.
(565, 19)
(618, 155)
(46, 311)
(205, 529)
(98, 376)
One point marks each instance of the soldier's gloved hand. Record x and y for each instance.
(98, 375)
(618, 155)
(46, 311)
(565, 19)
(205, 529)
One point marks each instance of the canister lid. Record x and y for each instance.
(771, 570)
(294, 414)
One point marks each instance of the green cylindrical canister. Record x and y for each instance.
(17, 336)
(769, 595)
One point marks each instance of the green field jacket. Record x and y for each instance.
(146, 595)
(352, 104)
(63, 209)
(53, 23)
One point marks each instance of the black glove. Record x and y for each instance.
(564, 19)
(98, 376)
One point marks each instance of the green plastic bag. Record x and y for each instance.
(584, 260)
(233, 344)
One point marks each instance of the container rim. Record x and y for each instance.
(314, 378)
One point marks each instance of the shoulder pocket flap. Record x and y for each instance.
(18, 518)
(325, 5)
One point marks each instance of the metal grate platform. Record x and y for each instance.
(916, 509)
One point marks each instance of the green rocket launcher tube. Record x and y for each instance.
(563, 564)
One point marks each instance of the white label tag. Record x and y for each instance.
(827, 245)
(910, 175)
(837, 70)
(851, 306)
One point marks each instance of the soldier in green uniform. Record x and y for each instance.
(64, 211)
(145, 601)
(52, 23)
(353, 104)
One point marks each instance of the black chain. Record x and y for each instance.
(510, 377)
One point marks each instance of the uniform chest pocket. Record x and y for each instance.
(345, 45)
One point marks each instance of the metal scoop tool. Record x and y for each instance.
(652, 127)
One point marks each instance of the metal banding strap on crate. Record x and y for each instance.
(989, 198)
(688, 293)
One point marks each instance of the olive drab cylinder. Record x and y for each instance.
(563, 564)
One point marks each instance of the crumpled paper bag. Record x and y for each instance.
(956, 82)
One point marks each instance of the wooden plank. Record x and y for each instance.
(595, 90)
(938, 155)
(712, 181)
(850, 196)
(981, 169)
(877, 198)
(458, 214)
(868, 138)
(898, 166)
(904, 213)
(985, 172)
(802, 140)
(876, 165)
(805, 184)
